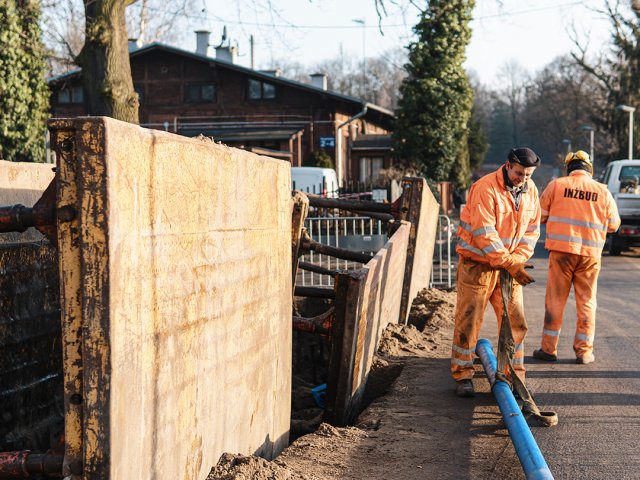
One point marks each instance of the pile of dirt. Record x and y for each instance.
(325, 439)
(401, 340)
(241, 467)
(433, 309)
(429, 326)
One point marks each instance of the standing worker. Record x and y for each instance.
(499, 227)
(578, 212)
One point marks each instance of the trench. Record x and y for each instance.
(310, 361)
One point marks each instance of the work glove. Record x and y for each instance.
(519, 275)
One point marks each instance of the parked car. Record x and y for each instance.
(622, 178)
(316, 180)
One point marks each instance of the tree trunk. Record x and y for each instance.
(104, 60)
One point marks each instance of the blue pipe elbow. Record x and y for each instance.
(533, 463)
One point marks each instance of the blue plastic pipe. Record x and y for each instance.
(533, 463)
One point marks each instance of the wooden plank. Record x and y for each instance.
(366, 301)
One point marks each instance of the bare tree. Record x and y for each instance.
(152, 20)
(514, 79)
(384, 76)
(561, 100)
(617, 70)
(146, 21)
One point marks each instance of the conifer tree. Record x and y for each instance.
(435, 108)
(24, 95)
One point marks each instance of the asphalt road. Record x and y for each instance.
(598, 436)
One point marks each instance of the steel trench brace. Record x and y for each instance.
(517, 421)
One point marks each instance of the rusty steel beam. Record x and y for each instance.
(319, 324)
(307, 244)
(383, 217)
(310, 267)
(351, 205)
(23, 464)
(315, 292)
(17, 218)
(306, 325)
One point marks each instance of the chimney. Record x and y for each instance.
(319, 80)
(134, 44)
(226, 54)
(202, 42)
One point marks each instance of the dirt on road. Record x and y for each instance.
(413, 427)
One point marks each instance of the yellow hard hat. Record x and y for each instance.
(579, 155)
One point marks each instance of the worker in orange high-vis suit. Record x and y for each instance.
(578, 212)
(499, 227)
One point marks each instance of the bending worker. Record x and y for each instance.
(499, 227)
(578, 212)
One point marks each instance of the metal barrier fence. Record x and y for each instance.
(359, 234)
(442, 268)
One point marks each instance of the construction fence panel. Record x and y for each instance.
(443, 266)
(359, 234)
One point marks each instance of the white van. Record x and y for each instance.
(316, 180)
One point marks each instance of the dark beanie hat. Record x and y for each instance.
(524, 156)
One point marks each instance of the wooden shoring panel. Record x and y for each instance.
(420, 209)
(175, 271)
(299, 212)
(366, 300)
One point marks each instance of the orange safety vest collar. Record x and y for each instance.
(492, 230)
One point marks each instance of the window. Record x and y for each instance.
(370, 168)
(71, 95)
(64, 96)
(77, 95)
(205, 92)
(630, 180)
(261, 90)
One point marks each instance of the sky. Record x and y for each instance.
(533, 32)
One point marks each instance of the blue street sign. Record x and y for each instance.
(327, 142)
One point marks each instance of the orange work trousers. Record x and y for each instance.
(477, 284)
(581, 271)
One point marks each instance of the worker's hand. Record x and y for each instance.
(519, 275)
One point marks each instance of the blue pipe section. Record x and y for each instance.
(533, 463)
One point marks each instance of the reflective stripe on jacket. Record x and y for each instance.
(491, 230)
(578, 212)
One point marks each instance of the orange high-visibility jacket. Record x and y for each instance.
(578, 212)
(491, 230)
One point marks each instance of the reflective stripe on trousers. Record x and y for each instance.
(566, 269)
(477, 285)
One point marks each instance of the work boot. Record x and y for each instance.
(542, 355)
(585, 359)
(465, 388)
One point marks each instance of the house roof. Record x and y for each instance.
(241, 134)
(357, 103)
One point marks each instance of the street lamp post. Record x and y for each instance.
(362, 23)
(629, 110)
(591, 130)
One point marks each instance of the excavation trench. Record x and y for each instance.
(317, 454)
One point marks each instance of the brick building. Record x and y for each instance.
(191, 93)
